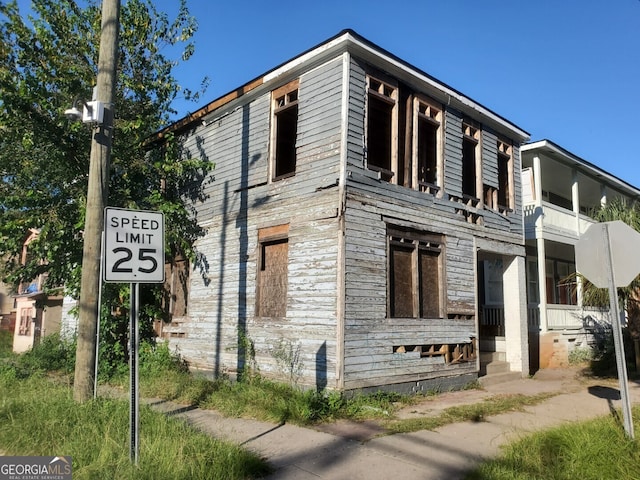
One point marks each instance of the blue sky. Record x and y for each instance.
(565, 70)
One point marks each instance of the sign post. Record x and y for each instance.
(605, 255)
(133, 253)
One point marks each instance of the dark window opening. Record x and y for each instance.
(427, 151)
(286, 121)
(469, 166)
(379, 133)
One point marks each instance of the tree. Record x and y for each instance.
(48, 60)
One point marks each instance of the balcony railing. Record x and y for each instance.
(569, 317)
(556, 217)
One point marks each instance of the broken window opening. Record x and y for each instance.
(285, 130)
(505, 176)
(453, 353)
(381, 128)
(470, 158)
(428, 146)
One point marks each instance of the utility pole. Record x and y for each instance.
(97, 194)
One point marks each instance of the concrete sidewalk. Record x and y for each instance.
(347, 450)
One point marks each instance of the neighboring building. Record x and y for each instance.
(7, 309)
(364, 229)
(559, 191)
(37, 314)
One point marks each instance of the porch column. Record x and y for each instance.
(515, 314)
(575, 198)
(542, 267)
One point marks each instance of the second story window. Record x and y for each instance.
(382, 151)
(470, 160)
(505, 176)
(284, 130)
(427, 145)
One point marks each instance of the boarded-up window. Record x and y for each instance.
(271, 295)
(285, 130)
(26, 315)
(415, 278)
(429, 277)
(401, 281)
(176, 287)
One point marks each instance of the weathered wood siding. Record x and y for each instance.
(370, 335)
(489, 158)
(241, 200)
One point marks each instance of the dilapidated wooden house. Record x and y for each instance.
(364, 229)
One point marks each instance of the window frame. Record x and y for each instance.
(505, 153)
(472, 133)
(385, 91)
(432, 112)
(283, 100)
(26, 319)
(416, 243)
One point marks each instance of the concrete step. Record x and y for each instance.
(496, 378)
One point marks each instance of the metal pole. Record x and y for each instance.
(134, 342)
(617, 338)
(97, 193)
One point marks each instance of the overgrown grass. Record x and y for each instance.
(475, 412)
(39, 417)
(6, 343)
(592, 450)
(266, 400)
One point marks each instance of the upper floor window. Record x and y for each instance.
(470, 160)
(505, 176)
(284, 130)
(415, 279)
(427, 145)
(382, 126)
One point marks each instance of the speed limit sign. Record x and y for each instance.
(133, 246)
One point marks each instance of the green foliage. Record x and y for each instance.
(40, 417)
(51, 354)
(46, 62)
(581, 355)
(6, 343)
(156, 359)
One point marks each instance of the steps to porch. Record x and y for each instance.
(495, 369)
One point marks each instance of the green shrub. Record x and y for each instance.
(6, 343)
(156, 359)
(53, 353)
